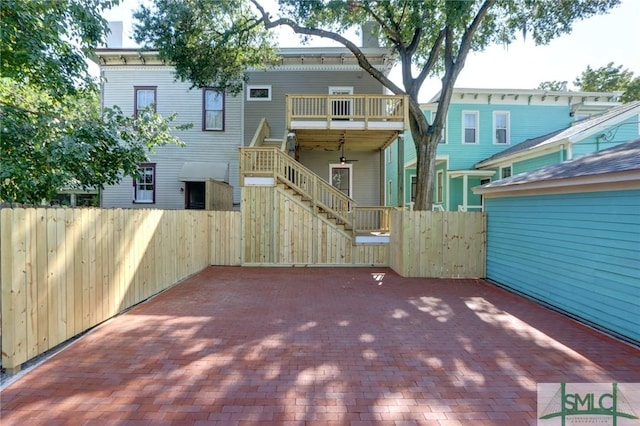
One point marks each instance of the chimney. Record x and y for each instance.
(114, 38)
(370, 34)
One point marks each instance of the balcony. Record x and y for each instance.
(364, 122)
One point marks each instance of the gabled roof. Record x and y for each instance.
(571, 134)
(622, 160)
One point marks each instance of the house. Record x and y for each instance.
(317, 106)
(568, 235)
(482, 124)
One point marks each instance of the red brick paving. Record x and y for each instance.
(293, 346)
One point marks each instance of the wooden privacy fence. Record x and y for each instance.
(64, 271)
(438, 244)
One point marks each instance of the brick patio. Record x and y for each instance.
(317, 346)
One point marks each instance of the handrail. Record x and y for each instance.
(372, 218)
(268, 161)
(390, 108)
(262, 132)
(283, 146)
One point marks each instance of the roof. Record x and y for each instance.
(623, 160)
(296, 58)
(573, 133)
(529, 92)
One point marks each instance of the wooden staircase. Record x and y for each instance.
(267, 158)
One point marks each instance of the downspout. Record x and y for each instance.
(465, 190)
(400, 172)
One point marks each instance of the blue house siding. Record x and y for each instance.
(578, 252)
(537, 162)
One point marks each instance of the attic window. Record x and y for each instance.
(259, 93)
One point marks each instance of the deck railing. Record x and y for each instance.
(367, 108)
(372, 219)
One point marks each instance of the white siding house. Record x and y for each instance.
(131, 78)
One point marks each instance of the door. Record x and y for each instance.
(341, 178)
(341, 108)
(194, 195)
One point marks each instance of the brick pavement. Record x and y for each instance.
(296, 346)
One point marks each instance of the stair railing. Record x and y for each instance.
(268, 161)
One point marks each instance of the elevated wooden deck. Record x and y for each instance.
(365, 122)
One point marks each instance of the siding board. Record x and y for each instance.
(579, 252)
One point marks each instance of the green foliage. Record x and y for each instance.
(45, 41)
(53, 135)
(213, 42)
(50, 143)
(610, 78)
(553, 86)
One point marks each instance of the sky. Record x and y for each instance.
(614, 37)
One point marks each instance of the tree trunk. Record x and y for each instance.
(426, 148)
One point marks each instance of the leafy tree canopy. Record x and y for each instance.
(212, 42)
(554, 86)
(53, 135)
(610, 78)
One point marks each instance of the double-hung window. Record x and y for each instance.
(470, 127)
(212, 109)
(144, 97)
(439, 186)
(144, 186)
(501, 127)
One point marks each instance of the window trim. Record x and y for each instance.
(136, 89)
(439, 198)
(259, 86)
(477, 129)
(508, 128)
(510, 167)
(135, 184)
(204, 109)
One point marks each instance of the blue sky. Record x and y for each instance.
(614, 37)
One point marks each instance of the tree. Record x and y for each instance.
(554, 86)
(212, 42)
(610, 78)
(53, 134)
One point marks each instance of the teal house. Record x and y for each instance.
(491, 134)
(568, 235)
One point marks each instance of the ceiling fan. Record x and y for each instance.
(343, 159)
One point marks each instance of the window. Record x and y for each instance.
(505, 172)
(212, 109)
(439, 186)
(470, 127)
(341, 108)
(259, 93)
(144, 187)
(144, 97)
(501, 128)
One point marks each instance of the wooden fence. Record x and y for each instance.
(438, 244)
(64, 271)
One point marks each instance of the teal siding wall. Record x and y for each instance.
(526, 121)
(391, 174)
(537, 162)
(619, 133)
(579, 252)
